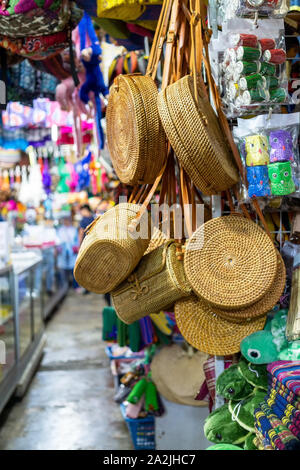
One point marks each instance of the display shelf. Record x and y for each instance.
(4, 320)
(23, 331)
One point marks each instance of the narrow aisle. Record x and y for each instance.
(69, 404)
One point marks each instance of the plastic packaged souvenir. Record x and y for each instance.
(269, 150)
(248, 8)
(251, 71)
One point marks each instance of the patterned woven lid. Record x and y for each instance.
(265, 304)
(208, 332)
(230, 262)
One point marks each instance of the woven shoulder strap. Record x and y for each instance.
(200, 43)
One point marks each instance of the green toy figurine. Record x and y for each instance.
(281, 178)
(244, 385)
(270, 344)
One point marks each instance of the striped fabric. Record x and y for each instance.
(285, 397)
(272, 428)
(287, 373)
(275, 384)
(262, 442)
(210, 373)
(263, 425)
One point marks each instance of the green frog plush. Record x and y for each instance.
(244, 385)
(239, 380)
(233, 423)
(270, 344)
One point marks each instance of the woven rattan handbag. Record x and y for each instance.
(194, 132)
(230, 262)
(109, 252)
(135, 137)
(156, 284)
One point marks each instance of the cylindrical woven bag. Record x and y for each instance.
(135, 136)
(230, 262)
(208, 332)
(156, 284)
(264, 305)
(108, 253)
(194, 133)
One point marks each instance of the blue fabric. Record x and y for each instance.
(94, 79)
(86, 221)
(90, 6)
(67, 257)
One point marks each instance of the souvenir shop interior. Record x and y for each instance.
(150, 225)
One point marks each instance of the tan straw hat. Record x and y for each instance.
(178, 374)
(208, 332)
(230, 262)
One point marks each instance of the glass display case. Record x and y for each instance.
(7, 324)
(54, 285)
(24, 288)
(30, 288)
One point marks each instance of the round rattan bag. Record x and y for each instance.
(208, 332)
(230, 262)
(109, 252)
(264, 305)
(194, 133)
(135, 136)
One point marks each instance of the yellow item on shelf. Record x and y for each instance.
(161, 322)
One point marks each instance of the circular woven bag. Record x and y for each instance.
(195, 135)
(135, 136)
(108, 253)
(208, 332)
(264, 305)
(230, 262)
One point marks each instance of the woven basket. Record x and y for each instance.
(158, 239)
(157, 283)
(264, 305)
(109, 253)
(194, 133)
(135, 137)
(209, 333)
(230, 262)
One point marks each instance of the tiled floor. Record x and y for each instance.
(69, 404)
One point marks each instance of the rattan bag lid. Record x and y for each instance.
(208, 332)
(135, 136)
(264, 305)
(230, 262)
